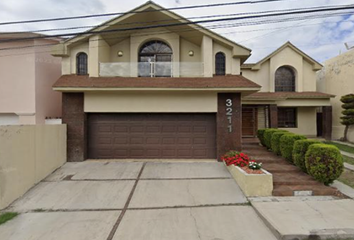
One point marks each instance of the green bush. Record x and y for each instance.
(324, 162)
(268, 136)
(287, 144)
(260, 135)
(299, 152)
(275, 141)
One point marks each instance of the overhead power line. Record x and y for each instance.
(165, 20)
(144, 11)
(216, 26)
(302, 12)
(169, 20)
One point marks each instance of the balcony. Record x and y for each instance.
(152, 69)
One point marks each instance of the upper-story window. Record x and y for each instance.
(81, 63)
(220, 63)
(285, 79)
(155, 59)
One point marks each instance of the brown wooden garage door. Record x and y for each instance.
(151, 136)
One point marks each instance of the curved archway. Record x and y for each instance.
(81, 63)
(220, 63)
(155, 59)
(285, 79)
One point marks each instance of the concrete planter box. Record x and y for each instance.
(253, 185)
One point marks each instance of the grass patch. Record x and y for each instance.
(342, 147)
(348, 160)
(7, 217)
(347, 178)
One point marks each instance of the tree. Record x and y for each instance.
(348, 113)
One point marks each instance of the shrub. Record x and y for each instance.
(260, 135)
(287, 144)
(275, 141)
(268, 136)
(324, 162)
(348, 113)
(299, 152)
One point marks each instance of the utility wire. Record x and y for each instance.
(168, 20)
(303, 12)
(216, 26)
(144, 11)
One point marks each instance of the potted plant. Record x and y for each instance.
(249, 174)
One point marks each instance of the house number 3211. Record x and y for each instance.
(229, 114)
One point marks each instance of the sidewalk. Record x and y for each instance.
(308, 219)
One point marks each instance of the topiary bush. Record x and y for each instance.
(348, 113)
(287, 144)
(260, 135)
(268, 136)
(324, 162)
(275, 141)
(299, 152)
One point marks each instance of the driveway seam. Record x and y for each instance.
(121, 215)
(193, 206)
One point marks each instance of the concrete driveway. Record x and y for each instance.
(99, 200)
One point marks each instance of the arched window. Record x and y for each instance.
(155, 59)
(285, 80)
(81, 64)
(220, 63)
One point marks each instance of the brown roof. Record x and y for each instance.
(287, 95)
(75, 81)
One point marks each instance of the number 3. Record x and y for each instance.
(228, 103)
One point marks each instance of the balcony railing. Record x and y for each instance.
(152, 69)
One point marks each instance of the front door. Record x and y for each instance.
(249, 121)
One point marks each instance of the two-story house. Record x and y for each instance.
(27, 73)
(152, 84)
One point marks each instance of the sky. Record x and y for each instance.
(322, 38)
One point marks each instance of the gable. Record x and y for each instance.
(121, 27)
(291, 51)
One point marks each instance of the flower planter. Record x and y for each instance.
(252, 185)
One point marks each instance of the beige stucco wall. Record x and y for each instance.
(69, 63)
(203, 60)
(260, 77)
(28, 155)
(150, 102)
(265, 76)
(26, 80)
(47, 71)
(17, 91)
(306, 122)
(337, 77)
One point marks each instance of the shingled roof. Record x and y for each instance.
(230, 81)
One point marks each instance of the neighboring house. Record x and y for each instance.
(177, 90)
(27, 74)
(337, 77)
(289, 92)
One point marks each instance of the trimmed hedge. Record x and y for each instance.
(260, 135)
(299, 152)
(275, 141)
(287, 144)
(268, 136)
(324, 163)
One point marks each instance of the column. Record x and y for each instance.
(273, 116)
(229, 123)
(75, 118)
(327, 122)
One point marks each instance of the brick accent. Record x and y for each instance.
(75, 118)
(273, 116)
(227, 140)
(327, 122)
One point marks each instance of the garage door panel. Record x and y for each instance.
(152, 136)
